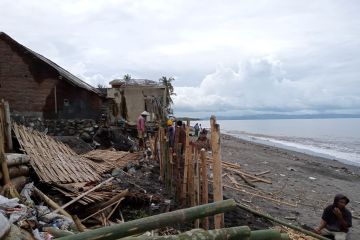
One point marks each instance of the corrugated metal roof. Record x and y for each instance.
(62, 72)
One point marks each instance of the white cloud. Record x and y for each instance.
(316, 44)
(261, 86)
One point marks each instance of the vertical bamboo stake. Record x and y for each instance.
(161, 151)
(186, 165)
(191, 188)
(3, 130)
(179, 160)
(204, 186)
(216, 151)
(170, 170)
(197, 184)
(9, 142)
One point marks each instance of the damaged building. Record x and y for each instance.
(133, 96)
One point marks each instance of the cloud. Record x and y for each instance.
(262, 86)
(316, 44)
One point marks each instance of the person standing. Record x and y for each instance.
(197, 128)
(141, 128)
(336, 219)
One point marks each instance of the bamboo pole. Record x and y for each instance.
(197, 183)
(267, 234)
(259, 195)
(82, 195)
(191, 188)
(204, 186)
(3, 130)
(217, 170)
(14, 159)
(154, 222)
(50, 202)
(179, 160)
(161, 151)
(112, 200)
(78, 223)
(266, 216)
(9, 143)
(233, 233)
(17, 171)
(250, 175)
(184, 191)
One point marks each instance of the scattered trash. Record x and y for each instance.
(312, 178)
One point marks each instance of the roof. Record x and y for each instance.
(136, 83)
(62, 72)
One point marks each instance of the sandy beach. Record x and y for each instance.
(306, 181)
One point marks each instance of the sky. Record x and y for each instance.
(229, 57)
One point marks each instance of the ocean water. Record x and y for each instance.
(330, 138)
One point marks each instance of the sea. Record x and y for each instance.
(336, 138)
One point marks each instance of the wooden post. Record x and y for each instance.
(204, 186)
(161, 132)
(191, 189)
(179, 160)
(3, 130)
(217, 170)
(9, 142)
(197, 183)
(171, 170)
(186, 165)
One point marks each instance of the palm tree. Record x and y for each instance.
(127, 78)
(169, 91)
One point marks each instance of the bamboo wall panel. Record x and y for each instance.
(53, 161)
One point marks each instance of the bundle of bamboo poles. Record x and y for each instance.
(184, 168)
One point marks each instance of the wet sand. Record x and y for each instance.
(308, 181)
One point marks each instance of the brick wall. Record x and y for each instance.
(18, 83)
(28, 84)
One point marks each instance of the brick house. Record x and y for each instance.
(36, 86)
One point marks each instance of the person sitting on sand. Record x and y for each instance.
(336, 219)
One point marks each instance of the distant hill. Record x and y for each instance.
(280, 116)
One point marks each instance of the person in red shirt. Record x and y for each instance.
(141, 128)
